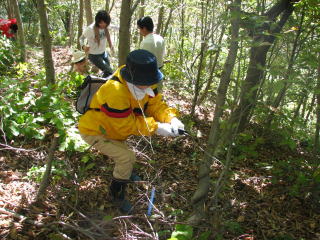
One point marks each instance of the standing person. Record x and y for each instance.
(127, 104)
(152, 42)
(9, 27)
(97, 34)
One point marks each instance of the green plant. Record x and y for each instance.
(32, 110)
(182, 232)
(8, 55)
(58, 171)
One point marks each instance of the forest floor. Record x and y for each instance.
(252, 205)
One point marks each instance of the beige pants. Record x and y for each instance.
(123, 157)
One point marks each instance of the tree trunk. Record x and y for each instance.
(22, 42)
(213, 67)
(88, 10)
(310, 108)
(204, 170)
(124, 31)
(141, 14)
(257, 63)
(10, 10)
(182, 33)
(166, 26)
(160, 20)
(71, 28)
(80, 22)
(107, 7)
(46, 42)
(316, 137)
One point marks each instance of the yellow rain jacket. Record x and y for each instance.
(120, 113)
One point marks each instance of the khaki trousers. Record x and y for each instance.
(119, 151)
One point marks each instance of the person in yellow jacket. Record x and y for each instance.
(128, 104)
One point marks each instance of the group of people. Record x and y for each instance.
(129, 103)
(97, 35)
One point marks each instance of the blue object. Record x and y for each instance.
(135, 178)
(150, 206)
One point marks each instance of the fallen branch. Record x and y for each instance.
(20, 217)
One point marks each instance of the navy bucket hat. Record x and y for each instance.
(141, 68)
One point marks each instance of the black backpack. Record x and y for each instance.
(89, 87)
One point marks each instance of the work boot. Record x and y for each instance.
(135, 177)
(118, 192)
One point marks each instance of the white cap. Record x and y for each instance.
(77, 56)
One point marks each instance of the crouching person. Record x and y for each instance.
(80, 63)
(127, 104)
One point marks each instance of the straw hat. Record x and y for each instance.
(78, 56)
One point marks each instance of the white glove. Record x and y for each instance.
(165, 129)
(176, 125)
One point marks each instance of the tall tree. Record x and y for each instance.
(46, 42)
(204, 170)
(317, 93)
(127, 9)
(88, 10)
(21, 38)
(80, 22)
(160, 19)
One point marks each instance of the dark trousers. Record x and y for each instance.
(102, 62)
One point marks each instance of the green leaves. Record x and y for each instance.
(182, 232)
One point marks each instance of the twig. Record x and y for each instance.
(20, 217)
(96, 226)
(45, 178)
(8, 147)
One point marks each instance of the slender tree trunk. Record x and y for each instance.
(107, 7)
(204, 170)
(80, 22)
(22, 42)
(112, 5)
(141, 14)
(71, 27)
(160, 20)
(88, 10)
(313, 100)
(304, 106)
(213, 68)
(127, 10)
(46, 42)
(202, 55)
(166, 26)
(199, 73)
(182, 32)
(317, 93)
(124, 31)
(297, 110)
(226, 75)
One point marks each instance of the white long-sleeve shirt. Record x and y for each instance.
(89, 35)
(154, 43)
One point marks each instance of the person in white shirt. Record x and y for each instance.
(97, 35)
(152, 42)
